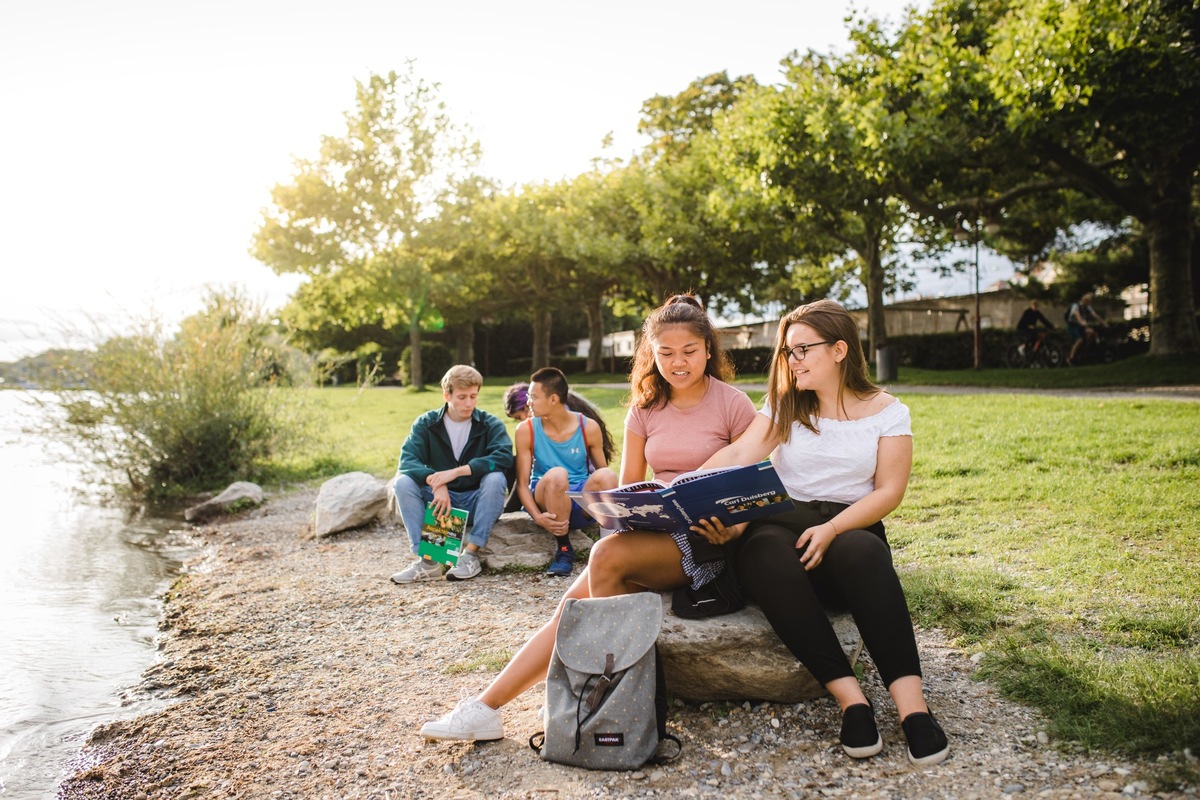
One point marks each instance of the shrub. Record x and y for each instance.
(954, 350)
(334, 368)
(570, 365)
(168, 416)
(751, 360)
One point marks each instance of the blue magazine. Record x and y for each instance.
(731, 494)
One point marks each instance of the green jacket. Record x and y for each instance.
(427, 449)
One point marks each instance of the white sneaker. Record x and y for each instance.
(470, 721)
(468, 567)
(419, 570)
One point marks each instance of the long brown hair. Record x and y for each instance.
(648, 387)
(788, 404)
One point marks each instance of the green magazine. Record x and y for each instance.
(441, 539)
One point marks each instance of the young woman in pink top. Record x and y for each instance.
(682, 411)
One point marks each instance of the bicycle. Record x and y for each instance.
(1096, 349)
(1035, 352)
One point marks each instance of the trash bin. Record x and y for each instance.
(885, 364)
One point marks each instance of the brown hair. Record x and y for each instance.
(788, 404)
(648, 388)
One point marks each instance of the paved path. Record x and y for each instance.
(1186, 393)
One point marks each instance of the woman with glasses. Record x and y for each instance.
(681, 411)
(843, 448)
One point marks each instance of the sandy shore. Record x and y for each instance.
(295, 669)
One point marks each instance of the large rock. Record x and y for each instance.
(517, 541)
(738, 657)
(349, 501)
(241, 494)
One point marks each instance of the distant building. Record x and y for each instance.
(733, 337)
(619, 344)
(998, 308)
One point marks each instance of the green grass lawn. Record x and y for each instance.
(1057, 536)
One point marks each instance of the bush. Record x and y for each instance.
(436, 358)
(954, 350)
(335, 368)
(570, 365)
(169, 416)
(751, 360)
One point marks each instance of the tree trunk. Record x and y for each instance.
(542, 319)
(464, 344)
(876, 326)
(1173, 328)
(416, 376)
(595, 318)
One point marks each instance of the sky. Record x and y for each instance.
(140, 139)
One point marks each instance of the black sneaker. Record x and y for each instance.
(927, 743)
(860, 737)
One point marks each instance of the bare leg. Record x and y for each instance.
(529, 665)
(601, 480)
(908, 694)
(634, 561)
(846, 691)
(626, 562)
(551, 495)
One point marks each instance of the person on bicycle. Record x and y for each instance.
(1081, 321)
(1032, 325)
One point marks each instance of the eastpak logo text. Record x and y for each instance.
(609, 739)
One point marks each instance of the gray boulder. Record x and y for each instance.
(738, 657)
(241, 494)
(517, 541)
(349, 501)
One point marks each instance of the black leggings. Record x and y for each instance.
(855, 574)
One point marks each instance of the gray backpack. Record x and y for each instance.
(606, 697)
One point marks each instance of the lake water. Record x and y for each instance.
(78, 606)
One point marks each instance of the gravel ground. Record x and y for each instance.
(295, 669)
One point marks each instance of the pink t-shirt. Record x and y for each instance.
(680, 440)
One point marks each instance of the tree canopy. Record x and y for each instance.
(1075, 128)
(349, 219)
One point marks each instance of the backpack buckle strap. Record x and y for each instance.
(601, 687)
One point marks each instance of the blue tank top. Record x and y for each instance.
(571, 455)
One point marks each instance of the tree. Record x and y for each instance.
(1111, 93)
(1101, 97)
(686, 240)
(599, 239)
(818, 152)
(463, 285)
(349, 218)
(522, 233)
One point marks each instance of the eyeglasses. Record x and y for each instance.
(799, 351)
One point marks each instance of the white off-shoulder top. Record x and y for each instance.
(838, 464)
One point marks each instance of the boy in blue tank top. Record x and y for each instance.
(558, 451)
